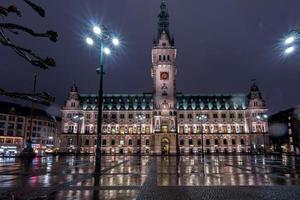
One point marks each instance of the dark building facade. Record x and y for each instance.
(15, 126)
(284, 128)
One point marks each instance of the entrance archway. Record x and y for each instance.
(165, 146)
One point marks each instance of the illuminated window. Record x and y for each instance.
(224, 129)
(147, 129)
(216, 129)
(181, 129)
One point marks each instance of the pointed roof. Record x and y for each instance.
(163, 23)
(74, 88)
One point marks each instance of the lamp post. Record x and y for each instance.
(140, 117)
(263, 118)
(201, 118)
(103, 39)
(77, 119)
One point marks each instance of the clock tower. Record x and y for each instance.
(164, 84)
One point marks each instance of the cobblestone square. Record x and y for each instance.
(151, 177)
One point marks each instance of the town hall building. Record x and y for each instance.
(166, 121)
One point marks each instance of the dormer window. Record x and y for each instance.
(72, 104)
(255, 103)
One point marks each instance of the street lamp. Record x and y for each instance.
(78, 118)
(291, 41)
(201, 118)
(103, 39)
(140, 117)
(263, 118)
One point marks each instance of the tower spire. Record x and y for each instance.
(163, 20)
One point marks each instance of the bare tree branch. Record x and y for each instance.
(40, 98)
(52, 35)
(36, 8)
(30, 56)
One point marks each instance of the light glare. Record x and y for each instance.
(290, 40)
(115, 41)
(289, 50)
(89, 40)
(97, 30)
(106, 51)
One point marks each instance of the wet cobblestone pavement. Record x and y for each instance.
(151, 177)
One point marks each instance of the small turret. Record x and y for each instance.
(255, 99)
(73, 98)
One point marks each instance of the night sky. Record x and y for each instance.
(221, 45)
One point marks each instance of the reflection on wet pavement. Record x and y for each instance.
(127, 177)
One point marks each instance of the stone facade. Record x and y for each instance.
(171, 118)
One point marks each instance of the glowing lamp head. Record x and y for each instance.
(289, 50)
(115, 41)
(89, 41)
(290, 40)
(97, 30)
(106, 51)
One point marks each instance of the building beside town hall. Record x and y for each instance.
(15, 125)
(230, 122)
(285, 131)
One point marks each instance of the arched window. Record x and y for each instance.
(225, 142)
(207, 142)
(164, 57)
(216, 141)
(233, 142)
(168, 57)
(242, 142)
(104, 142)
(199, 142)
(159, 57)
(181, 142)
(190, 142)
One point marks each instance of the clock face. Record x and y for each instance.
(164, 76)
